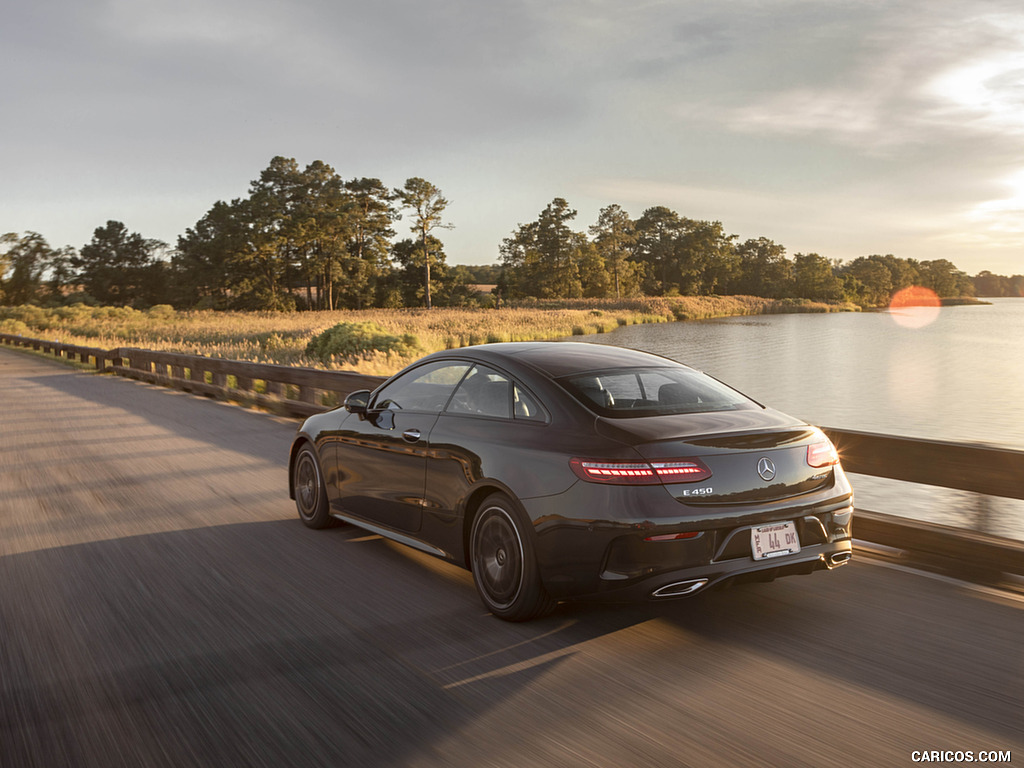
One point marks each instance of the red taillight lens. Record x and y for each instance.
(640, 472)
(822, 455)
(690, 471)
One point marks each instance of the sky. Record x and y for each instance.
(839, 128)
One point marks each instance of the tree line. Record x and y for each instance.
(305, 238)
(662, 253)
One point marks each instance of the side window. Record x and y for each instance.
(525, 405)
(487, 392)
(484, 392)
(426, 388)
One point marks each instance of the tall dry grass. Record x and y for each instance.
(281, 338)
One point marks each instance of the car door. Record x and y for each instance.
(491, 428)
(381, 457)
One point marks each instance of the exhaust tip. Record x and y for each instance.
(679, 588)
(839, 558)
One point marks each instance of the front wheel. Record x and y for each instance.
(504, 563)
(310, 491)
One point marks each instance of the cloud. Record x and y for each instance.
(808, 121)
(918, 78)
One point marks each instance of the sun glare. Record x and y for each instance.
(988, 88)
(914, 307)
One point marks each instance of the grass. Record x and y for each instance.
(281, 338)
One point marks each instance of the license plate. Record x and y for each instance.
(774, 540)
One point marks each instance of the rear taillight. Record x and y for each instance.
(822, 454)
(640, 472)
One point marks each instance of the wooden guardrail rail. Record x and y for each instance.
(303, 391)
(965, 467)
(285, 389)
(977, 468)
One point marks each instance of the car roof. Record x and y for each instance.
(564, 358)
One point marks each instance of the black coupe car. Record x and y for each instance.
(557, 470)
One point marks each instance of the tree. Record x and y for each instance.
(658, 231)
(614, 236)
(547, 259)
(710, 256)
(60, 273)
(409, 256)
(273, 253)
(22, 265)
(942, 276)
(869, 283)
(369, 246)
(814, 278)
(207, 261)
(321, 226)
(902, 272)
(427, 204)
(988, 284)
(112, 267)
(764, 270)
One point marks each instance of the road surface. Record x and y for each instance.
(161, 605)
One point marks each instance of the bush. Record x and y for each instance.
(13, 327)
(352, 342)
(161, 311)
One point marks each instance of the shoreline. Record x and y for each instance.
(281, 338)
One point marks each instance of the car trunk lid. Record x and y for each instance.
(752, 460)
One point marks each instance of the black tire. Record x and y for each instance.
(504, 563)
(310, 491)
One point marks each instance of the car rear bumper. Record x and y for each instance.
(689, 581)
(593, 557)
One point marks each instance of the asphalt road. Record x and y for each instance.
(161, 605)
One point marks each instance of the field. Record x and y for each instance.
(282, 337)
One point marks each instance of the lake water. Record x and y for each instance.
(959, 376)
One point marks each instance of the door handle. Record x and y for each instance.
(411, 435)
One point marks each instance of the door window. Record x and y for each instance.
(487, 392)
(424, 389)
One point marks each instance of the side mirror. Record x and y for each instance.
(358, 401)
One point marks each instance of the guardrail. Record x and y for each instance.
(284, 389)
(301, 392)
(976, 468)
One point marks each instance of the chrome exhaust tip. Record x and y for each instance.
(839, 558)
(680, 588)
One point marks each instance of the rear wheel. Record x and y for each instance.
(310, 491)
(504, 563)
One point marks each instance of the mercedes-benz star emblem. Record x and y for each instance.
(765, 468)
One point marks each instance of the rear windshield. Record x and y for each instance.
(635, 392)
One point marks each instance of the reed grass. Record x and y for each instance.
(281, 338)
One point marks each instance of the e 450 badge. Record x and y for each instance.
(698, 491)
